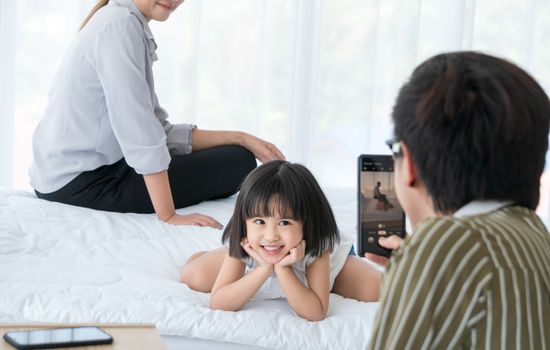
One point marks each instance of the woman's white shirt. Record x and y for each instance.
(103, 106)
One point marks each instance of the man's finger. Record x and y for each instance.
(391, 242)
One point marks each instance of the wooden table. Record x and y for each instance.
(125, 336)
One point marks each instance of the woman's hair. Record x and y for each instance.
(477, 129)
(97, 6)
(292, 191)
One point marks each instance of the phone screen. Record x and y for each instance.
(58, 337)
(380, 213)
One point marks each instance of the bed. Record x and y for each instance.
(65, 264)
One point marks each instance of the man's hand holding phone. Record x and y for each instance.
(391, 242)
(380, 214)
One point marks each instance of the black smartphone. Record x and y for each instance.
(379, 211)
(58, 337)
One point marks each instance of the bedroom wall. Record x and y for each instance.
(316, 77)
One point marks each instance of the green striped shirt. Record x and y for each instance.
(480, 282)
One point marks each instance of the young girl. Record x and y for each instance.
(282, 227)
(105, 143)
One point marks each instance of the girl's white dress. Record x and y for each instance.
(272, 289)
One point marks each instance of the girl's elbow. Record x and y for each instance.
(315, 317)
(216, 304)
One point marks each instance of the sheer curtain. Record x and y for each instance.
(319, 77)
(316, 77)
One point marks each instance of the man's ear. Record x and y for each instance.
(409, 169)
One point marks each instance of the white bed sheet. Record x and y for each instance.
(60, 263)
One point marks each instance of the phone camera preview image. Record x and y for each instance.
(58, 337)
(379, 211)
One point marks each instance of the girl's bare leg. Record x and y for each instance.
(201, 269)
(358, 280)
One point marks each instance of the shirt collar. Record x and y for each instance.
(131, 6)
(479, 207)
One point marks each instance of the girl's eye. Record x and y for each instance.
(284, 222)
(259, 221)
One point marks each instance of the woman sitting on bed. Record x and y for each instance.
(105, 142)
(282, 227)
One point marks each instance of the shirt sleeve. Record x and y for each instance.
(121, 66)
(431, 289)
(178, 136)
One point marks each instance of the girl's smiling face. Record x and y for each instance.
(159, 10)
(273, 236)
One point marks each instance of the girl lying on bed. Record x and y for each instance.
(282, 227)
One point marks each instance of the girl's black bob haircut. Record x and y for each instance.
(292, 191)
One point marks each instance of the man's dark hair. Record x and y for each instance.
(476, 127)
(291, 190)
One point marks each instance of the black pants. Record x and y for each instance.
(212, 173)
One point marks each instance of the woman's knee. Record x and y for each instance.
(241, 158)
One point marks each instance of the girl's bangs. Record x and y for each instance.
(270, 204)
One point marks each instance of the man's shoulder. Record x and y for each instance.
(445, 228)
(436, 237)
(442, 239)
(507, 218)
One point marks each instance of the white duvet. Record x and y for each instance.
(66, 264)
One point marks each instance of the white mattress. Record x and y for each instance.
(66, 264)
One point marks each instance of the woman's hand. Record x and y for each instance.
(294, 255)
(254, 254)
(195, 220)
(264, 151)
(391, 242)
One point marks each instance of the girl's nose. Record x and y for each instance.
(271, 235)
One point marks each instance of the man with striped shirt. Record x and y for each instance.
(471, 138)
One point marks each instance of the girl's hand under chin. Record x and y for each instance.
(253, 254)
(294, 255)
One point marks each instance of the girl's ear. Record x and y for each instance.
(409, 169)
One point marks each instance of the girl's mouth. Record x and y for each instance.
(272, 249)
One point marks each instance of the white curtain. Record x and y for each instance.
(316, 77)
(319, 77)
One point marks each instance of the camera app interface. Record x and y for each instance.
(381, 212)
